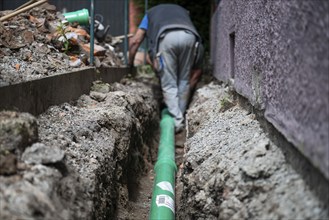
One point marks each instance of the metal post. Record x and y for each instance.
(92, 24)
(126, 17)
(146, 42)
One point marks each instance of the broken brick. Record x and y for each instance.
(98, 50)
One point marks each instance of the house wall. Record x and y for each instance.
(275, 53)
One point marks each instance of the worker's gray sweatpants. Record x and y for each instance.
(176, 49)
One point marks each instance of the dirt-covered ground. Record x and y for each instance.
(33, 45)
(93, 158)
(78, 160)
(232, 170)
(81, 160)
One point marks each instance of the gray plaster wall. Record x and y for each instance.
(275, 53)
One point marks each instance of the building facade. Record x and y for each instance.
(275, 53)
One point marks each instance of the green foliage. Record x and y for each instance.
(145, 70)
(225, 104)
(61, 30)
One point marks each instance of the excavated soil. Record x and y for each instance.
(93, 158)
(233, 170)
(89, 159)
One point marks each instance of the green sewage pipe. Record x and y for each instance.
(163, 198)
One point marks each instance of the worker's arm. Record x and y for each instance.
(134, 45)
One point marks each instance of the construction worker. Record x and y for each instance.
(175, 53)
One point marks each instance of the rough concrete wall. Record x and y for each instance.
(280, 65)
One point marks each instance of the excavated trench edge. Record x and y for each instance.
(310, 174)
(37, 95)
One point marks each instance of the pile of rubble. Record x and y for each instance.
(36, 43)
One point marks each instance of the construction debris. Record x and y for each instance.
(36, 43)
(23, 9)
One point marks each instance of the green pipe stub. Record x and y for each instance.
(80, 16)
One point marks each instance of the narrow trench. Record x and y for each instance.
(116, 152)
(140, 193)
(111, 147)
